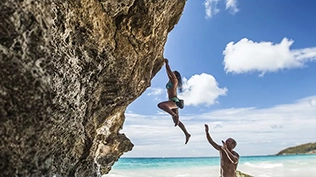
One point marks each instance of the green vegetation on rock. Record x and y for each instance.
(241, 174)
(308, 148)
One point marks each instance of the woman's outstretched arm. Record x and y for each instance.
(170, 74)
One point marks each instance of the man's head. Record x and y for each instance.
(231, 143)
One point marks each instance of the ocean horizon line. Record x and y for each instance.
(183, 157)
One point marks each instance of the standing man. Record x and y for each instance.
(229, 158)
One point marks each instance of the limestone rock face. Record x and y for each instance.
(68, 70)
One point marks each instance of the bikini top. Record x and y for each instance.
(169, 85)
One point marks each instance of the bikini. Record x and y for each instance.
(174, 99)
(169, 85)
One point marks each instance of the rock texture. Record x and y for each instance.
(68, 70)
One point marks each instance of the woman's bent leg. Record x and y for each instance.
(168, 106)
(181, 125)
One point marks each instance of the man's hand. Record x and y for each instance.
(206, 128)
(232, 156)
(166, 61)
(224, 147)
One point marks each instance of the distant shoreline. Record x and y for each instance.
(308, 148)
(213, 156)
(307, 153)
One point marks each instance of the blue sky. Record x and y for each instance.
(249, 68)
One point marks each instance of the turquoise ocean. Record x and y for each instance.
(258, 166)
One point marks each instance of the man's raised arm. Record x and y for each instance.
(210, 140)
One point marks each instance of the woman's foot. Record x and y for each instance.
(187, 137)
(175, 119)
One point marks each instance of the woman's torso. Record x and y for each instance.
(172, 89)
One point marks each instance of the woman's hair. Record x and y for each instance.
(178, 75)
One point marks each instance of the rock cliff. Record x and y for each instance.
(68, 70)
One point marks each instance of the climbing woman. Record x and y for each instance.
(172, 105)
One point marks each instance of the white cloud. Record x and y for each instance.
(257, 131)
(211, 7)
(312, 102)
(154, 91)
(248, 56)
(232, 6)
(201, 89)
